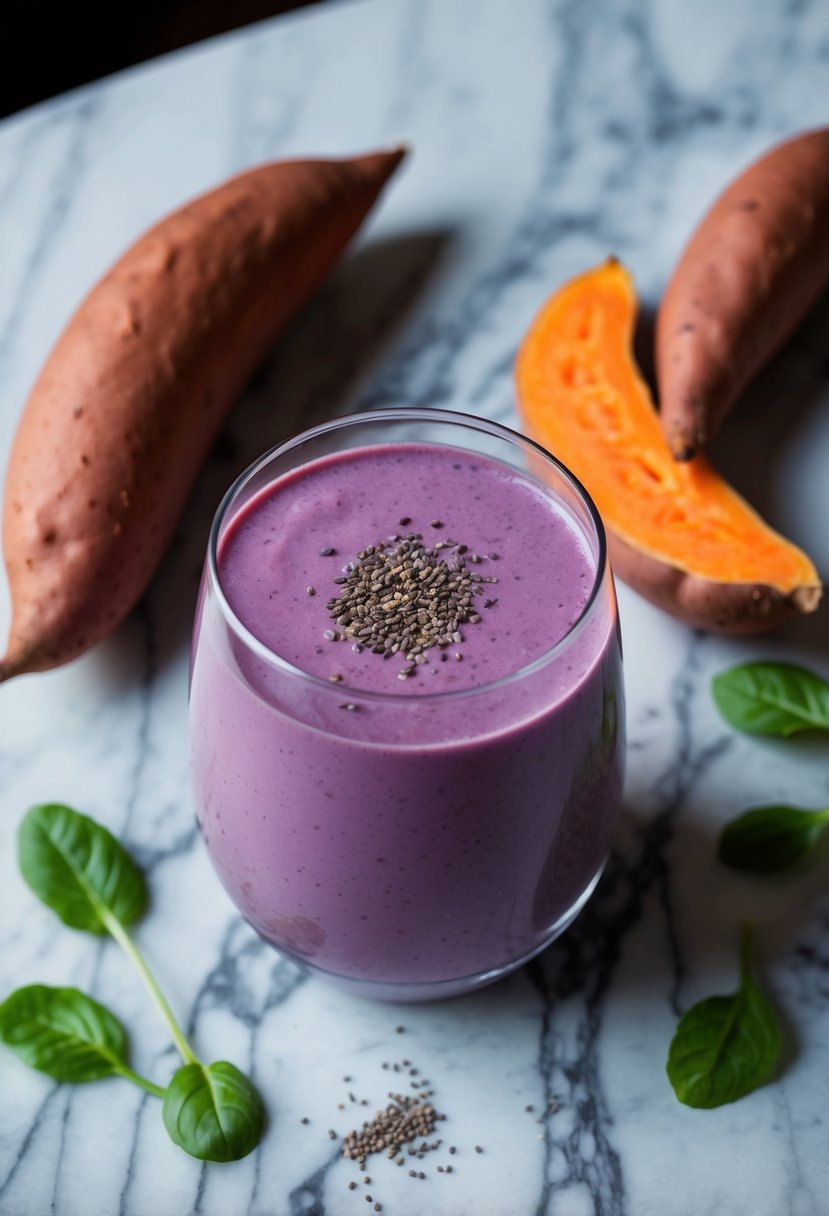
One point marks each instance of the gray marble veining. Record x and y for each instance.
(545, 136)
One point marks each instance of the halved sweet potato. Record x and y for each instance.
(679, 535)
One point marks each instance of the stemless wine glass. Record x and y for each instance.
(430, 842)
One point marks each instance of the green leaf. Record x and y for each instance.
(63, 1032)
(725, 1046)
(78, 868)
(213, 1112)
(772, 698)
(770, 838)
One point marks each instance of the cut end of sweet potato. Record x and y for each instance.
(680, 535)
(807, 599)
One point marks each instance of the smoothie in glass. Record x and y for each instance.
(406, 704)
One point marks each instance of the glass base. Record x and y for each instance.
(436, 990)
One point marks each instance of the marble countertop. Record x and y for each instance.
(545, 136)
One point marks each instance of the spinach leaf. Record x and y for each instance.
(213, 1112)
(83, 874)
(78, 868)
(725, 1046)
(63, 1032)
(772, 698)
(770, 838)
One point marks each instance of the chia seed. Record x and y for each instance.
(402, 596)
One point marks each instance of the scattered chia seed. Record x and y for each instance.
(332, 1135)
(436, 523)
(350, 706)
(405, 1126)
(405, 520)
(335, 677)
(305, 1119)
(399, 1029)
(310, 591)
(327, 551)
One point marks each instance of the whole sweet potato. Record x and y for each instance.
(137, 386)
(748, 275)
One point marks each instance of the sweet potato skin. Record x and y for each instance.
(750, 272)
(736, 609)
(137, 386)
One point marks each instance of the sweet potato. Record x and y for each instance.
(678, 534)
(748, 275)
(136, 388)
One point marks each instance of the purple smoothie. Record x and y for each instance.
(433, 831)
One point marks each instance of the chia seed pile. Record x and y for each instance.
(401, 1122)
(402, 596)
(401, 1131)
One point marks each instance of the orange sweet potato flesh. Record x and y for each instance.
(138, 385)
(678, 534)
(755, 265)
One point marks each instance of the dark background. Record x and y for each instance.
(49, 49)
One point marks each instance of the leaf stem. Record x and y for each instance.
(132, 952)
(124, 1070)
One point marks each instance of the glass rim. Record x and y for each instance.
(405, 414)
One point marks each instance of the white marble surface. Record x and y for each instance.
(546, 135)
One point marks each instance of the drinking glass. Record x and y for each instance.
(427, 844)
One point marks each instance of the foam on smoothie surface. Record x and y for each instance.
(281, 555)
